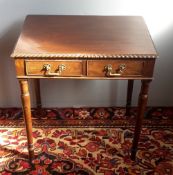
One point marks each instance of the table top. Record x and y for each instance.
(84, 37)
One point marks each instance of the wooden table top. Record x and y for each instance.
(84, 37)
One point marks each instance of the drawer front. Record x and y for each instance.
(53, 68)
(115, 68)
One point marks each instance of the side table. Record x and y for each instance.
(85, 47)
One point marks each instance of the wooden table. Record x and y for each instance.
(84, 47)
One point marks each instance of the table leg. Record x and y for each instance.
(142, 102)
(37, 93)
(27, 115)
(129, 96)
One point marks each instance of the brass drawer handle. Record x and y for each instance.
(118, 72)
(47, 69)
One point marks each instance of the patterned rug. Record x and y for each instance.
(87, 117)
(87, 150)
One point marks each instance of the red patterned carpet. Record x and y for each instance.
(97, 148)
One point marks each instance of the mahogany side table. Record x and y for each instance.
(85, 47)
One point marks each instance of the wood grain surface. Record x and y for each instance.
(84, 36)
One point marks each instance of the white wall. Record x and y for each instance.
(159, 19)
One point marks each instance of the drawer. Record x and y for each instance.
(54, 68)
(115, 68)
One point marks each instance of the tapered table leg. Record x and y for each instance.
(27, 115)
(129, 96)
(142, 102)
(37, 93)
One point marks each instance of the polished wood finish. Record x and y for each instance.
(129, 96)
(36, 67)
(85, 47)
(84, 37)
(133, 68)
(27, 114)
(85, 69)
(142, 102)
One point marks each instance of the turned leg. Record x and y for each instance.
(142, 102)
(27, 114)
(37, 93)
(129, 96)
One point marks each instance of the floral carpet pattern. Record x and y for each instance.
(87, 150)
(87, 117)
